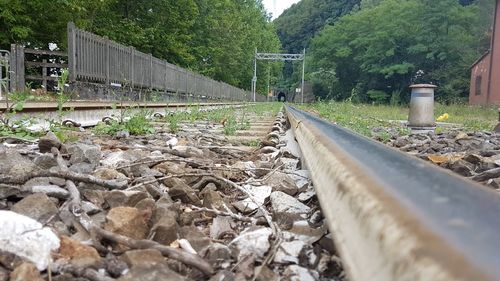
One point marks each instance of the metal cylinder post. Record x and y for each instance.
(422, 106)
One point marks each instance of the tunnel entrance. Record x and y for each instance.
(281, 97)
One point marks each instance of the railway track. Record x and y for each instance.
(247, 208)
(88, 113)
(396, 217)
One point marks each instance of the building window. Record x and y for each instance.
(479, 82)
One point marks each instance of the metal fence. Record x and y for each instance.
(97, 59)
(4, 71)
(38, 68)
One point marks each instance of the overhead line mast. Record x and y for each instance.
(278, 57)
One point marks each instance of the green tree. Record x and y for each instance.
(387, 46)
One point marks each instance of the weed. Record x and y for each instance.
(173, 122)
(230, 126)
(137, 124)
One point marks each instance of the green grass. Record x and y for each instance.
(233, 119)
(364, 118)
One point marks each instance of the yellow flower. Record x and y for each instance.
(443, 117)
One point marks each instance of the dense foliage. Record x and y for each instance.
(298, 24)
(374, 53)
(214, 37)
(301, 22)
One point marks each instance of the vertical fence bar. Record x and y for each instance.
(106, 42)
(132, 61)
(44, 75)
(150, 71)
(72, 52)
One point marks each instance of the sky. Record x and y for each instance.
(276, 7)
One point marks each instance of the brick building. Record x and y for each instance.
(485, 72)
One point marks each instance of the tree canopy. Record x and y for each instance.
(214, 37)
(375, 53)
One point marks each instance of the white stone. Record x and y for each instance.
(288, 252)
(259, 194)
(27, 238)
(172, 142)
(301, 178)
(114, 158)
(252, 241)
(298, 273)
(302, 231)
(284, 203)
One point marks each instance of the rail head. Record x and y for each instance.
(396, 217)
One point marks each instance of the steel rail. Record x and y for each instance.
(89, 113)
(396, 217)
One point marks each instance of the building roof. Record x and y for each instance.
(480, 59)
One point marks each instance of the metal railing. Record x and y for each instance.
(97, 59)
(4, 71)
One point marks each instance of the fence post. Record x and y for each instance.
(165, 82)
(12, 63)
(44, 75)
(132, 68)
(72, 51)
(150, 71)
(106, 42)
(17, 66)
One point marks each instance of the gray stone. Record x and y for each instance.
(116, 157)
(180, 190)
(115, 267)
(51, 190)
(212, 200)
(90, 208)
(284, 203)
(221, 225)
(165, 230)
(143, 258)
(302, 231)
(157, 272)
(307, 194)
(462, 167)
(84, 153)
(4, 274)
(44, 181)
(14, 164)
(298, 273)
(282, 182)
(262, 168)
(94, 196)
(490, 174)
(288, 164)
(117, 198)
(36, 206)
(109, 174)
(48, 141)
(45, 161)
(268, 150)
(252, 241)
(288, 252)
(301, 177)
(8, 191)
(223, 275)
(217, 253)
(196, 238)
(82, 168)
(189, 151)
(259, 193)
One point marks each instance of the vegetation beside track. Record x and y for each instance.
(376, 120)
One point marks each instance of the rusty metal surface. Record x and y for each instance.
(86, 105)
(396, 217)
